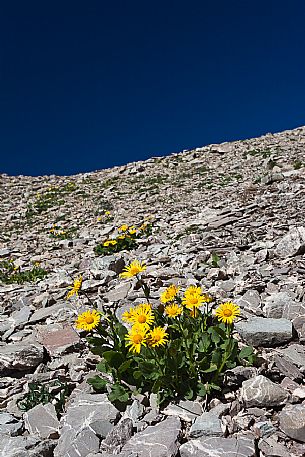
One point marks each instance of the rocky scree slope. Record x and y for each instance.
(243, 201)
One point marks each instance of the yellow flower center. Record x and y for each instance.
(89, 319)
(142, 319)
(193, 300)
(227, 312)
(137, 338)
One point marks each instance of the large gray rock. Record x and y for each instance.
(261, 391)
(292, 422)
(25, 446)
(20, 357)
(160, 440)
(260, 331)
(42, 421)
(291, 244)
(77, 436)
(294, 353)
(219, 447)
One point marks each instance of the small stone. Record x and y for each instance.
(291, 244)
(208, 424)
(219, 447)
(42, 421)
(292, 422)
(118, 436)
(160, 439)
(20, 357)
(261, 391)
(268, 332)
(186, 410)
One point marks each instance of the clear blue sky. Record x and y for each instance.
(86, 85)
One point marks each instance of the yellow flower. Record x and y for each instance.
(173, 310)
(143, 227)
(193, 301)
(88, 320)
(192, 290)
(142, 315)
(99, 218)
(123, 228)
(227, 312)
(133, 269)
(109, 243)
(107, 213)
(157, 337)
(132, 231)
(76, 287)
(136, 338)
(169, 294)
(121, 237)
(127, 315)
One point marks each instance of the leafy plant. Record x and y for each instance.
(58, 233)
(179, 349)
(38, 393)
(10, 273)
(48, 199)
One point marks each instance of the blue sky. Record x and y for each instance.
(91, 85)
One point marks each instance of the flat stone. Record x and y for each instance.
(292, 422)
(42, 421)
(250, 301)
(261, 391)
(186, 410)
(208, 424)
(291, 244)
(287, 367)
(19, 446)
(58, 339)
(219, 447)
(20, 357)
(295, 353)
(268, 332)
(43, 313)
(160, 440)
(86, 409)
(118, 293)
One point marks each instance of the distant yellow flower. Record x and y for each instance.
(143, 227)
(173, 310)
(227, 312)
(107, 213)
(132, 231)
(127, 315)
(88, 320)
(121, 237)
(193, 301)
(133, 269)
(76, 287)
(110, 243)
(142, 315)
(123, 228)
(99, 218)
(136, 338)
(157, 337)
(169, 294)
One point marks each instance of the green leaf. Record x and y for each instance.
(118, 393)
(102, 367)
(202, 390)
(124, 366)
(98, 384)
(245, 352)
(211, 368)
(137, 374)
(114, 358)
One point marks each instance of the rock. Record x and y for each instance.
(291, 244)
(260, 331)
(20, 357)
(251, 302)
(42, 421)
(292, 422)
(25, 446)
(119, 293)
(219, 447)
(287, 368)
(208, 424)
(272, 448)
(282, 305)
(294, 353)
(86, 409)
(161, 440)
(118, 436)
(57, 339)
(43, 313)
(261, 391)
(237, 375)
(186, 410)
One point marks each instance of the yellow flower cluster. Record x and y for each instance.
(107, 216)
(141, 334)
(75, 288)
(126, 233)
(55, 231)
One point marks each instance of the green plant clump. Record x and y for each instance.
(56, 393)
(50, 198)
(10, 273)
(179, 349)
